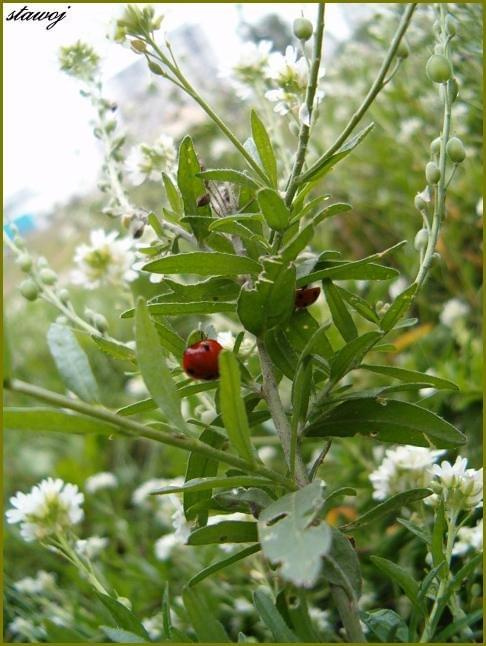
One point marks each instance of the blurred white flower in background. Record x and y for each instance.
(164, 545)
(405, 467)
(459, 487)
(107, 259)
(469, 538)
(147, 162)
(397, 287)
(41, 583)
(50, 508)
(227, 340)
(90, 547)
(154, 625)
(428, 391)
(249, 70)
(101, 480)
(453, 311)
(26, 628)
(288, 71)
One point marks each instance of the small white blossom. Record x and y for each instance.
(136, 386)
(101, 480)
(321, 618)
(90, 547)
(49, 508)
(164, 545)
(267, 453)
(405, 467)
(43, 582)
(107, 259)
(154, 626)
(287, 71)
(25, 628)
(243, 606)
(227, 340)
(453, 311)
(460, 488)
(428, 391)
(469, 538)
(249, 69)
(479, 208)
(148, 162)
(397, 287)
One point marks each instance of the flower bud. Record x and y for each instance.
(435, 146)
(29, 289)
(19, 242)
(89, 315)
(432, 173)
(450, 25)
(383, 309)
(455, 150)
(138, 46)
(379, 305)
(403, 49)
(155, 69)
(62, 320)
(100, 322)
(47, 276)
(453, 89)
(438, 69)
(421, 239)
(302, 28)
(42, 262)
(24, 261)
(420, 203)
(63, 296)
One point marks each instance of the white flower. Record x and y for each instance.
(282, 99)
(453, 311)
(101, 480)
(321, 618)
(397, 287)
(227, 340)
(243, 606)
(43, 582)
(105, 259)
(250, 68)
(288, 72)
(148, 162)
(304, 116)
(90, 547)
(479, 208)
(167, 507)
(428, 391)
(154, 626)
(461, 488)
(25, 628)
(408, 128)
(136, 386)
(405, 467)
(469, 538)
(51, 507)
(267, 453)
(164, 545)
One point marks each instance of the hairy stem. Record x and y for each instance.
(373, 92)
(348, 612)
(134, 429)
(309, 102)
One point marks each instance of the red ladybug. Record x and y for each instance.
(200, 360)
(305, 296)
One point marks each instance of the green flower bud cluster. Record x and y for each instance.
(79, 60)
(137, 22)
(96, 319)
(432, 173)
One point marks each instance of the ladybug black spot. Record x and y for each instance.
(206, 347)
(191, 371)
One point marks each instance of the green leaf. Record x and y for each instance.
(7, 354)
(417, 531)
(325, 164)
(215, 567)
(232, 407)
(264, 148)
(113, 349)
(288, 538)
(148, 404)
(340, 315)
(351, 355)
(203, 484)
(358, 270)
(393, 503)
(191, 186)
(387, 421)
(72, 362)
(466, 572)
(281, 354)
(274, 209)
(319, 345)
(184, 309)
(63, 634)
(411, 376)
(170, 340)
(438, 533)
(153, 366)
(300, 328)
(340, 565)
(399, 306)
(201, 466)
(228, 175)
(271, 617)
(401, 577)
(330, 211)
(298, 243)
(123, 617)
(173, 195)
(227, 531)
(208, 628)
(301, 391)
(240, 218)
(359, 305)
(118, 636)
(386, 625)
(203, 264)
(456, 626)
(211, 289)
(51, 420)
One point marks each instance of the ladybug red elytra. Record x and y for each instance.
(200, 360)
(305, 296)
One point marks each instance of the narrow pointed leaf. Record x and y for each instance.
(227, 531)
(274, 209)
(228, 175)
(115, 350)
(401, 577)
(203, 484)
(351, 355)
(411, 376)
(398, 308)
(340, 315)
(264, 147)
(272, 618)
(204, 264)
(215, 567)
(52, 420)
(208, 628)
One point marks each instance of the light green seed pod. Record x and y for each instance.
(47, 276)
(29, 289)
(432, 173)
(100, 322)
(453, 89)
(435, 146)
(455, 150)
(450, 25)
(303, 28)
(138, 46)
(64, 296)
(438, 69)
(403, 50)
(420, 203)
(42, 262)
(24, 261)
(421, 239)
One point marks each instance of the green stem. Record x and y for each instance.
(348, 612)
(373, 92)
(134, 429)
(309, 102)
(282, 426)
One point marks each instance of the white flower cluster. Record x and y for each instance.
(469, 538)
(50, 508)
(101, 480)
(405, 467)
(460, 488)
(107, 259)
(90, 548)
(148, 162)
(250, 68)
(41, 583)
(454, 310)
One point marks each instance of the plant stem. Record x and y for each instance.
(309, 102)
(282, 426)
(135, 429)
(373, 92)
(348, 612)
